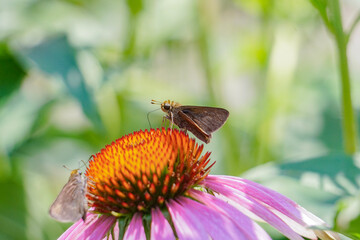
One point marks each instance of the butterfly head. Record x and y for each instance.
(166, 106)
(75, 172)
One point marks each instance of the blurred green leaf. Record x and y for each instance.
(12, 206)
(11, 72)
(56, 57)
(354, 227)
(17, 116)
(327, 167)
(332, 139)
(355, 236)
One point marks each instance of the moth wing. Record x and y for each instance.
(70, 205)
(209, 119)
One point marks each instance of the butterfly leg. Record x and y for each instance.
(183, 130)
(171, 122)
(163, 123)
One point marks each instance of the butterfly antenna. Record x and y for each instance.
(85, 162)
(147, 116)
(67, 168)
(156, 102)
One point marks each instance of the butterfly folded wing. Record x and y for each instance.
(201, 121)
(208, 118)
(70, 205)
(189, 124)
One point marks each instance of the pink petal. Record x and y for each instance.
(135, 230)
(100, 229)
(185, 226)
(216, 224)
(238, 199)
(194, 220)
(79, 224)
(252, 229)
(94, 228)
(267, 196)
(294, 215)
(160, 228)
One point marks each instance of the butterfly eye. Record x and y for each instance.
(167, 106)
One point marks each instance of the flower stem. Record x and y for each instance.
(349, 124)
(353, 25)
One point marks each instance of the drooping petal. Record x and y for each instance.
(135, 230)
(209, 222)
(187, 228)
(94, 228)
(298, 218)
(78, 226)
(248, 226)
(217, 224)
(237, 198)
(160, 228)
(267, 196)
(101, 228)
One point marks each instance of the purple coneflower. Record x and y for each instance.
(155, 185)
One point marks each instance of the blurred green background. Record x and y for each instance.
(76, 75)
